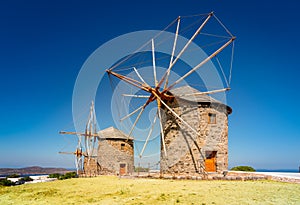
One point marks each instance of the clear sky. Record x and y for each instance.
(43, 45)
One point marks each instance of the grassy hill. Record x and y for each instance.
(112, 190)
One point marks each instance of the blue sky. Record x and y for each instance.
(44, 44)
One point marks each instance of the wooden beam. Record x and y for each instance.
(149, 134)
(136, 96)
(162, 130)
(173, 52)
(153, 63)
(131, 81)
(125, 117)
(78, 133)
(140, 77)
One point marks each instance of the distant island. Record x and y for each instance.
(34, 170)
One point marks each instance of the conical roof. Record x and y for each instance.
(113, 133)
(190, 94)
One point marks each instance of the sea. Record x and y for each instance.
(24, 175)
(279, 170)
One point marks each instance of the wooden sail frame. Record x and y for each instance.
(90, 137)
(160, 91)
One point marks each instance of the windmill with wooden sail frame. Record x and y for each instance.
(156, 89)
(86, 146)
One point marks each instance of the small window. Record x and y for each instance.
(123, 146)
(212, 119)
(210, 154)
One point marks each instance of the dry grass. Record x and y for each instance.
(112, 190)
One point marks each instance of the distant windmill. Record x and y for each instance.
(89, 137)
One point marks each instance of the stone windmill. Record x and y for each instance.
(193, 153)
(107, 151)
(192, 124)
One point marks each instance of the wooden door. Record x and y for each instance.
(210, 161)
(122, 169)
(210, 165)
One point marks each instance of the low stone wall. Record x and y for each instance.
(209, 177)
(230, 175)
(284, 179)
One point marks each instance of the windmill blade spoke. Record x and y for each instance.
(79, 145)
(173, 51)
(136, 96)
(86, 143)
(149, 134)
(131, 81)
(150, 99)
(78, 164)
(140, 77)
(78, 133)
(185, 47)
(162, 131)
(130, 114)
(153, 63)
(66, 152)
(136, 120)
(201, 64)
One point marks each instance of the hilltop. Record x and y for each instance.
(32, 170)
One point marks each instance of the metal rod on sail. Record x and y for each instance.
(161, 129)
(173, 52)
(149, 134)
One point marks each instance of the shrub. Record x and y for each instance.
(68, 175)
(55, 175)
(141, 169)
(27, 179)
(13, 176)
(6, 182)
(243, 168)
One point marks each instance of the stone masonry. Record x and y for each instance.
(115, 149)
(186, 150)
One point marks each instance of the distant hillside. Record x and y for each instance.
(32, 170)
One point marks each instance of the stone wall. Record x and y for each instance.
(113, 152)
(91, 167)
(185, 149)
